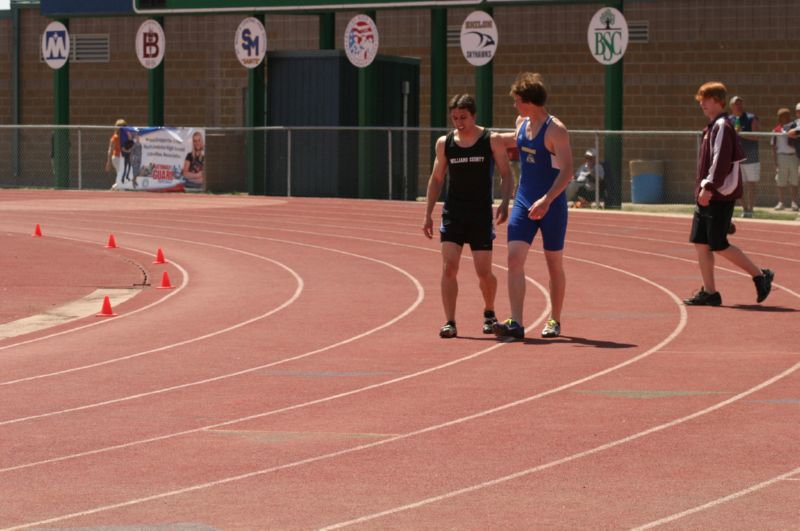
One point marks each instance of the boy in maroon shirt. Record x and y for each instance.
(717, 187)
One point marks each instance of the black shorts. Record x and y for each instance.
(710, 224)
(468, 225)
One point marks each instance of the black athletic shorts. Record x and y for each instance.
(468, 225)
(710, 224)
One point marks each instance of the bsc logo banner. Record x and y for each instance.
(161, 159)
(608, 35)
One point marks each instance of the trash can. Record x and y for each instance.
(647, 181)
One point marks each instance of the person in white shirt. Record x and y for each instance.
(786, 161)
(588, 175)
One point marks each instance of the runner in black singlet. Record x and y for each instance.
(469, 153)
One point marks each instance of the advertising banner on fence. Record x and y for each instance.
(161, 159)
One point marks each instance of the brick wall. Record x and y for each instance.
(748, 45)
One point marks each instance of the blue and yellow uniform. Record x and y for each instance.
(536, 177)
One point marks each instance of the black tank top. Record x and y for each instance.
(471, 172)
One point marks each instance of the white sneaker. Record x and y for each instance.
(795, 207)
(779, 206)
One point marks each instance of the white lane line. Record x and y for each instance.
(66, 313)
(571, 241)
(126, 315)
(573, 457)
(238, 325)
(676, 331)
(411, 308)
(719, 501)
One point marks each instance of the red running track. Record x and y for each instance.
(294, 377)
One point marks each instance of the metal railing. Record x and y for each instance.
(367, 162)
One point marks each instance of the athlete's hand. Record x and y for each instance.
(427, 227)
(538, 210)
(704, 198)
(501, 215)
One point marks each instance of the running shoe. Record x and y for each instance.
(779, 206)
(704, 298)
(489, 320)
(551, 329)
(448, 330)
(509, 328)
(763, 284)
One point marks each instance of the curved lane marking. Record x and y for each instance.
(718, 501)
(289, 301)
(569, 458)
(406, 312)
(172, 293)
(678, 329)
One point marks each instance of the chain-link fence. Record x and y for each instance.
(656, 167)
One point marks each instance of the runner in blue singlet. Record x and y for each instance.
(537, 176)
(546, 170)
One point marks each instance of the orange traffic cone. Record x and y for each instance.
(112, 242)
(37, 231)
(165, 283)
(106, 311)
(159, 257)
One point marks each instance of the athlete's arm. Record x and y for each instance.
(510, 139)
(435, 184)
(556, 141)
(506, 180)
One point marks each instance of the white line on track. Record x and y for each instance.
(678, 329)
(406, 312)
(633, 437)
(172, 293)
(286, 303)
(573, 457)
(719, 501)
(571, 241)
(420, 296)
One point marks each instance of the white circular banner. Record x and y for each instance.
(361, 40)
(250, 42)
(55, 45)
(150, 44)
(608, 35)
(479, 38)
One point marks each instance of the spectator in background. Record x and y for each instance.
(786, 160)
(793, 132)
(589, 174)
(751, 168)
(114, 158)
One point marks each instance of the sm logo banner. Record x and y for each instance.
(250, 42)
(608, 35)
(55, 45)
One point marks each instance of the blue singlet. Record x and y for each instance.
(537, 176)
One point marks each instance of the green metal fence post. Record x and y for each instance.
(60, 139)
(484, 88)
(438, 73)
(367, 99)
(613, 122)
(327, 31)
(155, 90)
(254, 140)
